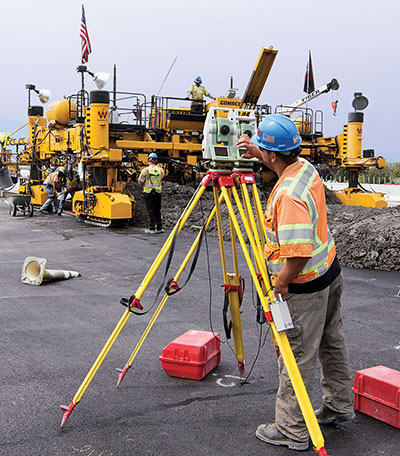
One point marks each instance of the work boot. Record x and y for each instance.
(159, 231)
(325, 415)
(149, 231)
(59, 213)
(270, 433)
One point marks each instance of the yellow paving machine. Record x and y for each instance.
(110, 135)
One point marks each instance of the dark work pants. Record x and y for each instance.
(153, 206)
(51, 200)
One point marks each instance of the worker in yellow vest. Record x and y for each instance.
(151, 178)
(71, 185)
(196, 93)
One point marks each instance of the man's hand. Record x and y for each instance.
(291, 269)
(252, 150)
(281, 287)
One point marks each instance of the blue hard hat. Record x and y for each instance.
(198, 80)
(153, 155)
(278, 134)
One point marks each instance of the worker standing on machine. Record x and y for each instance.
(302, 257)
(196, 93)
(50, 185)
(72, 184)
(151, 178)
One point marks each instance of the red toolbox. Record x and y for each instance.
(376, 392)
(192, 355)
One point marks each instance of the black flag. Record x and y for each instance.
(309, 85)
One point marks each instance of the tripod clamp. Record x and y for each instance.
(132, 303)
(172, 287)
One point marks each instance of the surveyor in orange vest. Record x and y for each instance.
(301, 256)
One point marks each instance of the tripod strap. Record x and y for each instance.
(239, 289)
(173, 290)
(227, 326)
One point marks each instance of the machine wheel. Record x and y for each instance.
(30, 210)
(13, 209)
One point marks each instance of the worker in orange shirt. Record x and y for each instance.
(302, 257)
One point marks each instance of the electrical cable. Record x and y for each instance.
(260, 345)
(210, 284)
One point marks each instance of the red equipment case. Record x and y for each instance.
(376, 392)
(192, 355)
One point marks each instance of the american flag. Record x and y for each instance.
(86, 48)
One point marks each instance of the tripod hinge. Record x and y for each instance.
(226, 181)
(245, 177)
(206, 180)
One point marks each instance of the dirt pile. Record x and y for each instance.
(365, 237)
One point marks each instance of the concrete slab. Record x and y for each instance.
(52, 334)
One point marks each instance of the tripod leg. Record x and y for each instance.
(231, 287)
(67, 410)
(250, 217)
(251, 227)
(129, 363)
(259, 213)
(262, 233)
(281, 338)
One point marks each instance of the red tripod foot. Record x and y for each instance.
(121, 373)
(67, 410)
(241, 367)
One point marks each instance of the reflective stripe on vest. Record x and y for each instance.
(300, 178)
(51, 178)
(197, 92)
(152, 176)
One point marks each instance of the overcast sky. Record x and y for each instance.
(357, 42)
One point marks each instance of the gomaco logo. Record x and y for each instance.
(229, 103)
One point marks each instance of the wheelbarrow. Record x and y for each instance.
(19, 203)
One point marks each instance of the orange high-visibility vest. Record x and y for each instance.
(296, 222)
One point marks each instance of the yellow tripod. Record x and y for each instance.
(223, 181)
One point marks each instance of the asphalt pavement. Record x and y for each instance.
(52, 334)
